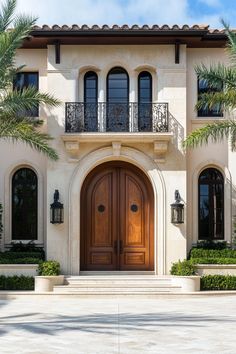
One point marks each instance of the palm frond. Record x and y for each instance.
(217, 76)
(231, 46)
(11, 40)
(6, 14)
(20, 101)
(23, 131)
(14, 126)
(218, 101)
(215, 132)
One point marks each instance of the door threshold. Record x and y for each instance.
(117, 272)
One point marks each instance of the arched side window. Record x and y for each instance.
(90, 101)
(24, 205)
(211, 205)
(145, 102)
(117, 100)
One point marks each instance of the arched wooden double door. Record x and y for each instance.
(117, 219)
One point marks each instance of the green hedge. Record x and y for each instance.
(213, 260)
(10, 257)
(28, 260)
(183, 268)
(206, 253)
(218, 282)
(49, 268)
(16, 283)
(212, 245)
(26, 247)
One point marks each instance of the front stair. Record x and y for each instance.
(117, 285)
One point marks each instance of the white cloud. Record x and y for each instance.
(105, 11)
(118, 11)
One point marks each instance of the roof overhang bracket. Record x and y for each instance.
(177, 48)
(57, 52)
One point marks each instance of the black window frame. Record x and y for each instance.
(212, 220)
(86, 76)
(145, 108)
(90, 123)
(204, 113)
(123, 71)
(117, 122)
(34, 112)
(139, 88)
(14, 221)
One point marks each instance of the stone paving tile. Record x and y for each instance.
(121, 326)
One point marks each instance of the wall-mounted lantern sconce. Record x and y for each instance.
(56, 210)
(177, 210)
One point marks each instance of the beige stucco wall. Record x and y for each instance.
(65, 80)
(172, 83)
(217, 155)
(16, 155)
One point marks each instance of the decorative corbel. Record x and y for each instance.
(116, 146)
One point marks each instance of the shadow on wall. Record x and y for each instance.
(177, 129)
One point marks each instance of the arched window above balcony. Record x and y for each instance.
(90, 101)
(90, 87)
(145, 87)
(145, 114)
(117, 100)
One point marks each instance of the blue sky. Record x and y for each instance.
(131, 11)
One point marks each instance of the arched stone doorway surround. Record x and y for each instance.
(150, 168)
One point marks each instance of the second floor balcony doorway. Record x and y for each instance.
(117, 117)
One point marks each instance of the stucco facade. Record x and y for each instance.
(159, 155)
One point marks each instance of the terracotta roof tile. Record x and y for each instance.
(124, 27)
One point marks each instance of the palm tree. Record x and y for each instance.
(216, 77)
(15, 126)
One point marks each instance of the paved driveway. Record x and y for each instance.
(68, 325)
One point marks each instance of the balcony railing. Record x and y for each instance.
(116, 117)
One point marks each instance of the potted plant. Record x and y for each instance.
(49, 276)
(185, 276)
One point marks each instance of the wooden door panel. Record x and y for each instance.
(134, 213)
(116, 219)
(101, 212)
(136, 224)
(99, 222)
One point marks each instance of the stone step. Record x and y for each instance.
(117, 279)
(115, 290)
(121, 284)
(116, 284)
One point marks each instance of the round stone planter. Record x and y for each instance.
(187, 283)
(45, 283)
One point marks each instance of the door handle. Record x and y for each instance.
(115, 246)
(121, 247)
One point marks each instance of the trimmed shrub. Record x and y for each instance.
(30, 247)
(211, 245)
(16, 282)
(49, 268)
(207, 253)
(27, 260)
(206, 260)
(218, 282)
(20, 257)
(183, 268)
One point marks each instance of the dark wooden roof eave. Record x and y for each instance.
(192, 38)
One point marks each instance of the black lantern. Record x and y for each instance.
(56, 210)
(177, 210)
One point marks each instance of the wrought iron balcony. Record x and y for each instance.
(116, 117)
